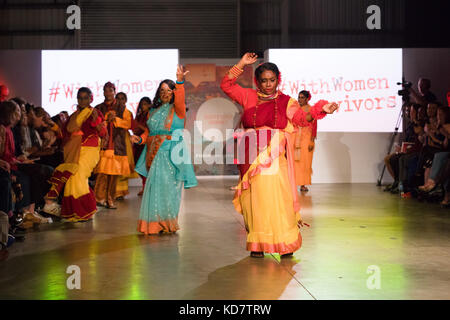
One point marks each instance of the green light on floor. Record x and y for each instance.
(53, 285)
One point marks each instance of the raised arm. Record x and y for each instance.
(179, 103)
(229, 85)
(180, 100)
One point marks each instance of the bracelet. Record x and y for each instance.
(177, 82)
(140, 140)
(235, 71)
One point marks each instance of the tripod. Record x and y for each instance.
(394, 134)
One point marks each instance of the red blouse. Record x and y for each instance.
(9, 148)
(248, 98)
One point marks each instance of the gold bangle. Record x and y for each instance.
(235, 71)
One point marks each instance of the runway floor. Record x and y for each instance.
(354, 227)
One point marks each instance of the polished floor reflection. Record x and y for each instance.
(355, 228)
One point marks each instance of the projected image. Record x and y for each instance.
(362, 81)
(135, 72)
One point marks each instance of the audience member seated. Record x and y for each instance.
(439, 160)
(424, 96)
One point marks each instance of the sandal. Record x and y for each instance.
(101, 204)
(428, 188)
(111, 206)
(287, 255)
(52, 208)
(257, 254)
(140, 193)
(304, 189)
(30, 217)
(41, 218)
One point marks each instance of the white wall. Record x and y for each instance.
(349, 157)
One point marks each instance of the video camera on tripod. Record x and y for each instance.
(404, 93)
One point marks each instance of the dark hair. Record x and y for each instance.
(85, 90)
(19, 101)
(56, 119)
(157, 101)
(109, 84)
(143, 99)
(305, 93)
(122, 93)
(7, 109)
(446, 111)
(29, 107)
(264, 67)
(40, 112)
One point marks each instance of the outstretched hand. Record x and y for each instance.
(181, 73)
(247, 59)
(330, 107)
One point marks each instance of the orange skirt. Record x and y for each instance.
(303, 157)
(112, 164)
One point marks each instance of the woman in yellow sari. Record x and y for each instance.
(81, 154)
(266, 194)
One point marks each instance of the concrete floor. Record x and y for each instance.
(353, 226)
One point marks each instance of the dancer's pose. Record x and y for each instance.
(115, 159)
(303, 144)
(161, 161)
(266, 194)
(81, 154)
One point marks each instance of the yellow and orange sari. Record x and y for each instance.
(266, 194)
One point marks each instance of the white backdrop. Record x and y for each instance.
(361, 81)
(135, 72)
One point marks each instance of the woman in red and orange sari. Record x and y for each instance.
(81, 153)
(266, 194)
(304, 144)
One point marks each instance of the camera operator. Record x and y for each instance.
(424, 96)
